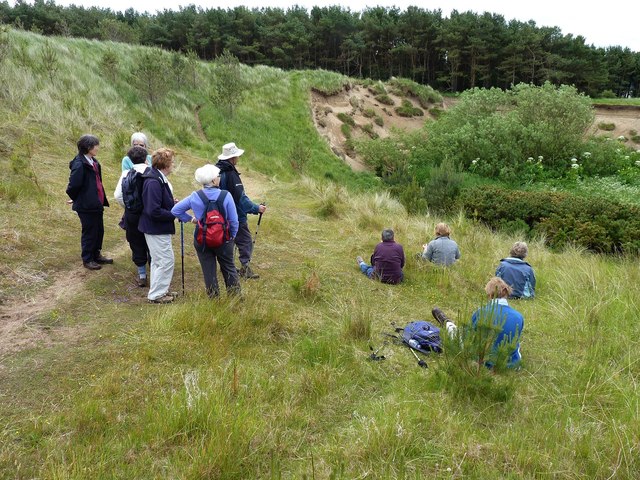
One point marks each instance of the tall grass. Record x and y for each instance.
(277, 383)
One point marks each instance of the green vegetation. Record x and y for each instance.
(346, 119)
(408, 110)
(596, 223)
(277, 384)
(607, 126)
(451, 53)
(425, 94)
(385, 99)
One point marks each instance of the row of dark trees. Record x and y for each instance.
(451, 53)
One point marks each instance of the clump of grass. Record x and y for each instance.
(377, 88)
(346, 119)
(368, 129)
(425, 94)
(354, 102)
(327, 83)
(307, 287)
(408, 110)
(369, 113)
(606, 126)
(385, 99)
(378, 120)
(345, 128)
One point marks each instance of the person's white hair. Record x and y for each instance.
(140, 137)
(205, 175)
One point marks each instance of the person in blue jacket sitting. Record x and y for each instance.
(510, 321)
(517, 273)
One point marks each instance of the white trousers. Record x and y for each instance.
(162, 262)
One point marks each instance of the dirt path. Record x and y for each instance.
(19, 327)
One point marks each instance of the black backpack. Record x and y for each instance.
(132, 191)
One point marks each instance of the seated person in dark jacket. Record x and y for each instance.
(387, 260)
(517, 273)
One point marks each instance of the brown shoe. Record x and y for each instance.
(141, 282)
(92, 265)
(103, 260)
(440, 316)
(166, 298)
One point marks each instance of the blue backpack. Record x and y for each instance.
(422, 336)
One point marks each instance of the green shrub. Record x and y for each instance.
(635, 139)
(606, 126)
(503, 128)
(408, 110)
(354, 102)
(345, 118)
(593, 222)
(378, 120)
(385, 99)
(443, 186)
(436, 112)
(608, 94)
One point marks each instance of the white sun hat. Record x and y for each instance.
(229, 151)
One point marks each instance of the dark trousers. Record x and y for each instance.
(244, 242)
(92, 235)
(139, 250)
(208, 261)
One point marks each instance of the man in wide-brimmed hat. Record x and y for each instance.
(230, 181)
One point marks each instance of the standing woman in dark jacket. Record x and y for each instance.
(87, 194)
(157, 224)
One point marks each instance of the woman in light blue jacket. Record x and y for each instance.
(209, 177)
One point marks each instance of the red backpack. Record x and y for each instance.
(212, 229)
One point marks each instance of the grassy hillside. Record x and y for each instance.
(277, 384)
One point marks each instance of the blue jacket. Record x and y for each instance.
(519, 275)
(193, 203)
(511, 330)
(83, 188)
(442, 251)
(230, 181)
(156, 218)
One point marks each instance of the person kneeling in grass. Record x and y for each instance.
(387, 260)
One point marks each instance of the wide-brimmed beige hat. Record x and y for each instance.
(229, 151)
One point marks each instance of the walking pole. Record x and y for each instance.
(182, 253)
(257, 227)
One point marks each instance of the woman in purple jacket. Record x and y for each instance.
(157, 224)
(387, 260)
(209, 177)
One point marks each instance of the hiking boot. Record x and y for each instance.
(141, 282)
(246, 272)
(166, 298)
(103, 260)
(359, 259)
(440, 316)
(91, 265)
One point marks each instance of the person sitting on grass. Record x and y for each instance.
(517, 273)
(510, 320)
(442, 250)
(387, 260)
